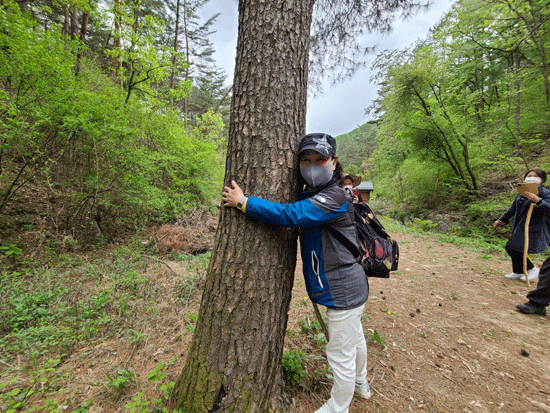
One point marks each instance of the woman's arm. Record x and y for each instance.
(303, 213)
(505, 218)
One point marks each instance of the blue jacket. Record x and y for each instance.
(333, 277)
(539, 226)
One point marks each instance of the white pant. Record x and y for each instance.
(347, 356)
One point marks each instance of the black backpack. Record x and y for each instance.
(379, 254)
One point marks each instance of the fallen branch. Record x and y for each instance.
(162, 262)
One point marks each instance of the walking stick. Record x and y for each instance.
(320, 319)
(526, 242)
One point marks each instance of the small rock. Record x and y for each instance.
(441, 305)
(524, 353)
(418, 310)
(460, 341)
(412, 314)
(513, 292)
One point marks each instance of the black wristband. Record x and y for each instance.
(538, 202)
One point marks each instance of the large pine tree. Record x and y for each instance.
(234, 363)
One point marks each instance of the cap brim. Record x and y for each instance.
(315, 147)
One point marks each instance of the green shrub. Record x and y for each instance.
(293, 365)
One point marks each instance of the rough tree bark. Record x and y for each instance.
(234, 362)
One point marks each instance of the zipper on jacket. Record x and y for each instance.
(315, 267)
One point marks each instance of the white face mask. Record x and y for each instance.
(317, 175)
(532, 180)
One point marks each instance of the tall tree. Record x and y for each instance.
(234, 363)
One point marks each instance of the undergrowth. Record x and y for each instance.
(54, 316)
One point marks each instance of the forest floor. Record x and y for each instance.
(453, 339)
(443, 336)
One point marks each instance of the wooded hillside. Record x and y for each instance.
(100, 132)
(462, 113)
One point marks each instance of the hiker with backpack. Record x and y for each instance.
(332, 274)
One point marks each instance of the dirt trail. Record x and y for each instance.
(453, 337)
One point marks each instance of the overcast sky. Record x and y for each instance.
(341, 108)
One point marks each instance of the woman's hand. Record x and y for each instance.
(231, 196)
(531, 197)
(497, 224)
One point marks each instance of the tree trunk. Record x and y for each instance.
(83, 31)
(517, 85)
(117, 62)
(234, 362)
(65, 29)
(186, 31)
(175, 57)
(74, 23)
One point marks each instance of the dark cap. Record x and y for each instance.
(319, 142)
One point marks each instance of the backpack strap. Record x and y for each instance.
(346, 242)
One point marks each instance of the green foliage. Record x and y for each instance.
(423, 224)
(293, 365)
(118, 385)
(157, 375)
(460, 110)
(378, 338)
(79, 135)
(43, 377)
(45, 313)
(11, 251)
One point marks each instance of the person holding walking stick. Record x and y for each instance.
(538, 227)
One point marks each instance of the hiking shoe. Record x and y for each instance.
(529, 308)
(533, 274)
(514, 276)
(363, 390)
(324, 409)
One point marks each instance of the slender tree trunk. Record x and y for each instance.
(223, 98)
(466, 156)
(117, 62)
(185, 29)
(74, 23)
(83, 31)
(175, 58)
(234, 363)
(463, 141)
(449, 151)
(517, 85)
(65, 29)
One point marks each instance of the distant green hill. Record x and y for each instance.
(356, 146)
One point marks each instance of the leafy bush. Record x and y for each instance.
(293, 365)
(130, 162)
